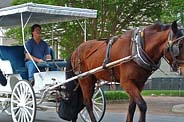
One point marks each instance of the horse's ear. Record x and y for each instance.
(174, 27)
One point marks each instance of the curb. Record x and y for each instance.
(178, 108)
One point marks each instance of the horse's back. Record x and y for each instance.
(91, 46)
(88, 52)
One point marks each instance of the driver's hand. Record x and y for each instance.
(40, 60)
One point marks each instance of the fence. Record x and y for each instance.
(173, 85)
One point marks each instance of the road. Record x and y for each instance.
(159, 110)
(109, 117)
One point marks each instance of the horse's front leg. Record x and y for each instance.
(143, 108)
(134, 93)
(131, 110)
(87, 86)
(89, 108)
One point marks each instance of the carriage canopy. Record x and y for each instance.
(40, 13)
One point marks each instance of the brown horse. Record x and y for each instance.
(146, 46)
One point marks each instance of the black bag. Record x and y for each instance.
(69, 109)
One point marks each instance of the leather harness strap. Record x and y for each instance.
(110, 42)
(141, 57)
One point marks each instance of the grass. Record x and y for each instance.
(121, 95)
(116, 95)
(163, 92)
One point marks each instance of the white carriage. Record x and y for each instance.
(18, 98)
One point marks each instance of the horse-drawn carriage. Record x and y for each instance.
(19, 98)
(129, 58)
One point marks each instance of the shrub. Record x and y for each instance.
(116, 95)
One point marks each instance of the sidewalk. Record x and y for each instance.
(162, 105)
(178, 108)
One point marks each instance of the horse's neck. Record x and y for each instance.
(155, 44)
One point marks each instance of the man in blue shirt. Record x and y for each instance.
(38, 50)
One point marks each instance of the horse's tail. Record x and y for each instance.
(69, 109)
(69, 69)
(69, 74)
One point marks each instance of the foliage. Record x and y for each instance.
(163, 92)
(114, 16)
(16, 33)
(116, 95)
(173, 11)
(122, 95)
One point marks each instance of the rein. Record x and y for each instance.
(138, 53)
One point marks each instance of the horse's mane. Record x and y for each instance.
(158, 27)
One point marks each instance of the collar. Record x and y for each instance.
(141, 57)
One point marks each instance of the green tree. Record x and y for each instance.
(114, 16)
(173, 11)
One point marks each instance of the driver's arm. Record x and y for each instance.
(34, 58)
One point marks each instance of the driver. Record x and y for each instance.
(38, 49)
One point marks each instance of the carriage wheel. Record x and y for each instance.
(23, 102)
(99, 106)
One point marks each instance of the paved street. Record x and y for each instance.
(159, 110)
(109, 117)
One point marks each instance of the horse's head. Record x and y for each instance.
(175, 48)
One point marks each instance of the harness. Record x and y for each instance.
(110, 42)
(141, 58)
(173, 49)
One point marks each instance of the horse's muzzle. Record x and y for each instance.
(181, 70)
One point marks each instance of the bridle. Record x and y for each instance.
(173, 47)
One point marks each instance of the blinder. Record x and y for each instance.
(174, 48)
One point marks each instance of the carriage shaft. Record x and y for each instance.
(92, 71)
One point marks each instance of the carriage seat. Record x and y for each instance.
(16, 56)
